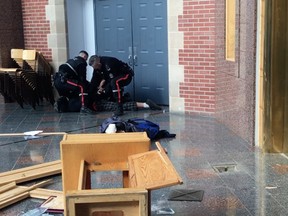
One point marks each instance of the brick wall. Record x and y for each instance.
(198, 56)
(212, 85)
(36, 27)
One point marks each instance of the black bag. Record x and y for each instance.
(137, 125)
(121, 125)
(149, 127)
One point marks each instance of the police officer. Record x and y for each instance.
(72, 85)
(114, 75)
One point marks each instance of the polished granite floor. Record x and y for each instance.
(237, 179)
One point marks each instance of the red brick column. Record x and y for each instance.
(198, 56)
(36, 27)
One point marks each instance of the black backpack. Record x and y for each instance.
(137, 125)
(121, 125)
(142, 125)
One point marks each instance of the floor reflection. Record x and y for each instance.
(257, 186)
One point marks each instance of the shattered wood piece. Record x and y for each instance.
(13, 199)
(7, 187)
(31, 173)
(164, 156)
(41, 193)
(32, 133)
(10, 193)
(17, 191)
(54, 204)
(54, 199)
(144, 170)
(49, 196)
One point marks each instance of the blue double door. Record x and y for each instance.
(135, 31)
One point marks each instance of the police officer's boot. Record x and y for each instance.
(85, 107)
(61, 105)
(118, 96)
(119, 111)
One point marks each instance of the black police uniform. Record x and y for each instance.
(70, 81)
(117, 74)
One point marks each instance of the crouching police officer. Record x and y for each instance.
(115, 75)
(72, 86)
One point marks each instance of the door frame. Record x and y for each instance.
(259, 74)
(271, 97)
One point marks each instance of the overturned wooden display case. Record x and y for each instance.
(142, 170)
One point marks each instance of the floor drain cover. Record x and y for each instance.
(224, 168)
(186, 195)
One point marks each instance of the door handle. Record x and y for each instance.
(135, 57)
(130, 60)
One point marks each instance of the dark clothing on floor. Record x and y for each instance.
(105, 105)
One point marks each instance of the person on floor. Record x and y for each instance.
(71, 83)
(106, 105)
(114, 75)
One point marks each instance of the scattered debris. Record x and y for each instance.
(31, 172)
